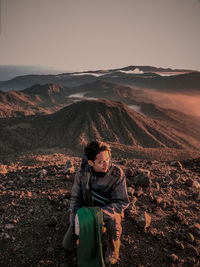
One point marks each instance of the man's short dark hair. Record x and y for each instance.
(94, 148)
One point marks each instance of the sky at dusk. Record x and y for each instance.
(80, 35)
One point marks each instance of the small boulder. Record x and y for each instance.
(144, 220)
(173, 257)
(130, 191)
(142, 178)
(196, 184)
(50, 251)
(42, 173)
(3, 169)
(53, 221)
(4, 236)
(192, 183)
(195, 228)
(129, 172)
(177, 164)
(69, 168)
(190, 237)
(158, 200)
(9, 226)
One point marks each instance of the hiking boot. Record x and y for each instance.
(111, 260)
(112, 253)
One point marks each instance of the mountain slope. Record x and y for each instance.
(38, 99)
(75, 125)
(50, 97)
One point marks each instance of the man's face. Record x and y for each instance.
(101, 163)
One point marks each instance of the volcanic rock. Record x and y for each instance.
(69, 167)
(195, 228)
(42, 173)
(9, 226)
(173, 257)
(53, 221)
(130, 191)
(142, 178)
(144, 220)
(39, 212)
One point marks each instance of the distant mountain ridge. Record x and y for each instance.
(142, 76)
(8, 72)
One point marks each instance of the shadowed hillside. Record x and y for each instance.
(48, 98)
(72, 127)
(38, 99)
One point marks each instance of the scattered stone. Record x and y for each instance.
(131, 207)
(130, 191)
(4, 236)
(190, 237)
(192, 249)
(129, 172)
(139, 192)
(195, 228)
(174, 175)
(180, 218)
(196, 184)
(50, 251)
(53, 221)
(196, 196)
(3, 169)
(29, 194)
(42, 173)
(17, 248)
(67, 195)
(158, 200)
(122, 162)
(31, 210)
(9, 226)
(191, 261)
(173, 206)
(157, 186)
(134, 200)
(69, 168)
(177, 164)
(2, 187)
(173, 257)
(33, 180)
(144, 220)
(179, 244)
(191, 183)
(142, 178)
(66, 202)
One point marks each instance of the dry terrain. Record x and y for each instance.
(161, 225)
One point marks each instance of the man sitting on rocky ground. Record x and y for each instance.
(100, 183)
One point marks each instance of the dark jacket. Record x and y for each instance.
(107, 191)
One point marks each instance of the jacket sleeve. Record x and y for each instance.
(119, 196)
(76, 198)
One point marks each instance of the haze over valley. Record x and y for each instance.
(165, 101)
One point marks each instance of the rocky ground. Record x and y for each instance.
(161, 226)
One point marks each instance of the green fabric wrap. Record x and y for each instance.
(90, 252)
